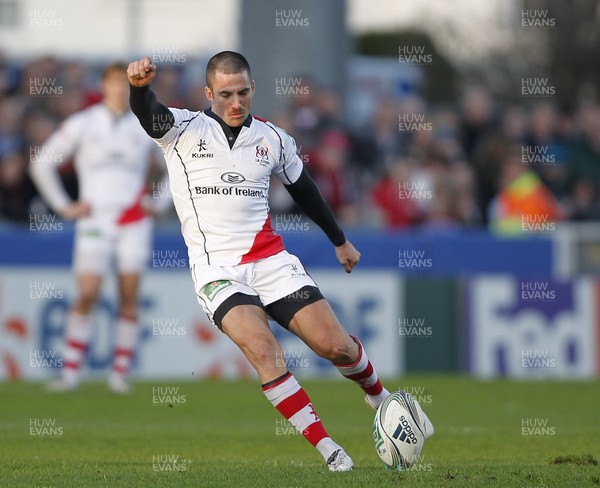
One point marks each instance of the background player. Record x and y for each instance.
(111, 156)
(220, 162)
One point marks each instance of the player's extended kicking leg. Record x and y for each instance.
(320, 330)
(318, 327)
(78, 332)
(247, 326)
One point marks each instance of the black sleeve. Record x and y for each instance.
(155, 118)
(306, 194)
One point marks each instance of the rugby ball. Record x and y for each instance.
(398, 431)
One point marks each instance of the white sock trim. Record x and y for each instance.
(358, 367)
(282, 391)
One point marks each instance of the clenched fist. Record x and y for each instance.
(141, 72)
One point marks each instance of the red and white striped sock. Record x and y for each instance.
(126, 336)
(364, 375)
(77, 338)
(293, 403)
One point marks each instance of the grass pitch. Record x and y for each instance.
(226, 434)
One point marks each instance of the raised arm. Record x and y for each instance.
(155, 118)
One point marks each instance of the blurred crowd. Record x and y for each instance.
(476, 162)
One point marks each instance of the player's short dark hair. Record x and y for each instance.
(228, 62)
(114, 67)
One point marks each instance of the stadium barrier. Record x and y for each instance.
(501, 325)
(429, 302)
(177, 340)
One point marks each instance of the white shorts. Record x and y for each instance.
(270, 279)
(99, 243)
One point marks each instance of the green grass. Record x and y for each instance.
(227, 432)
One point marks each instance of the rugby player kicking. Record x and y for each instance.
(112, 155)
(219, 163)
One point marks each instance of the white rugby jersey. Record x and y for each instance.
(221, 194)
(111, 155)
